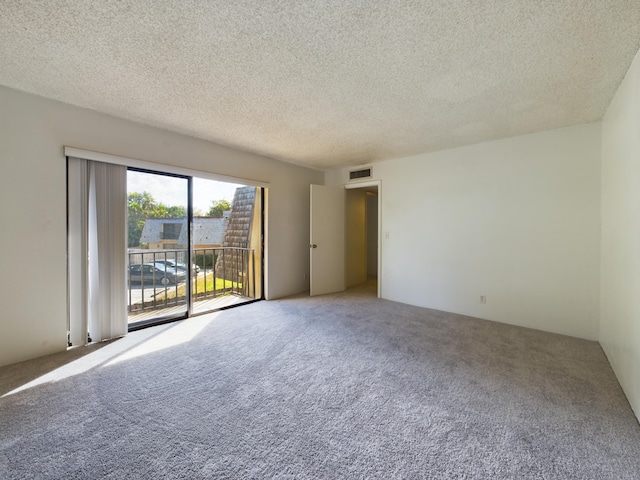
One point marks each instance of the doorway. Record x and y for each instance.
(345, 237)
(362, 237)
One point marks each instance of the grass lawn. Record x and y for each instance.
(203, 283)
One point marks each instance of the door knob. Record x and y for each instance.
(314, 246)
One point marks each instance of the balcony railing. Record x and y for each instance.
(157, 278)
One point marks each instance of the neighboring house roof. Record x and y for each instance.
(206, 230)
(238, 232)
(152, 230)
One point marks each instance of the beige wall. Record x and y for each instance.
(517, 220)
(372, 234)
(254, 242)
(33, 132)
(356, 237)
(620, 304)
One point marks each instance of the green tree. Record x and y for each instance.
(218, 207)
(175, 212)
(142, 206)
(139, 205)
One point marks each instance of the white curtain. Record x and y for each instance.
(97, 199)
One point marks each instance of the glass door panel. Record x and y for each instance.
(227, 244)
(158, 246)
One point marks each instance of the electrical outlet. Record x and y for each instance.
(483, 299)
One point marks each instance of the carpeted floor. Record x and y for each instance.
(340, 386)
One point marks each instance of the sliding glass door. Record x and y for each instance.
(194, 246)
(157, 246)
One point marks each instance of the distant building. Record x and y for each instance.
(171, 233)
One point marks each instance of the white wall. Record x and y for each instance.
(620, 302)
(517, 220)
(33, 132)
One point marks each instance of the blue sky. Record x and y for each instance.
(173, 191)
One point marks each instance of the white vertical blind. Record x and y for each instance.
(78, 250)
(97, 250)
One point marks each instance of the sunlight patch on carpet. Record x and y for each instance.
(183, 332)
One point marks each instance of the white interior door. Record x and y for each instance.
(327, 239)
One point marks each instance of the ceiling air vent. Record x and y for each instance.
(358, 174)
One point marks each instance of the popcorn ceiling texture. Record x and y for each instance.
(326, 83)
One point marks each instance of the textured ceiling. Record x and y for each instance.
(326, 83)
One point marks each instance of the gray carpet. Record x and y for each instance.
(341, 386)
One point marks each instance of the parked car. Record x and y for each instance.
(180, 266)
(156, 273)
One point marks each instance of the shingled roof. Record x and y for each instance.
(206, 230)
(238, 231)
(209, 231)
